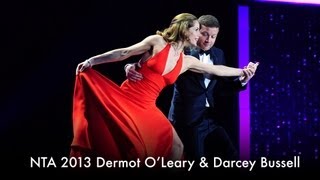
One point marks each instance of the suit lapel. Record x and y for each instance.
(201, 80)
(200, 77)
(213, 57)
(212, 82)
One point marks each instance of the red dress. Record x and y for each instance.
(123, 122)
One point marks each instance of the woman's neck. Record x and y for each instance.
(178, 46)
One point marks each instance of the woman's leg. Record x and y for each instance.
(177, 146)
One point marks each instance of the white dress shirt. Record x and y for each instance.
(205, 58)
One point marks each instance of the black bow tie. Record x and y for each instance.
(201, 52)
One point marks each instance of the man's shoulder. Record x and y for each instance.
(195, 51)
(215, 49)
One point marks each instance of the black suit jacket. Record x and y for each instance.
(190, 93)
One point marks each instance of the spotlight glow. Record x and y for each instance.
(244, 96)
(293, 1)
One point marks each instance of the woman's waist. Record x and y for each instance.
(139, 93)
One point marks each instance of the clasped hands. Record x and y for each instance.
(248, 72)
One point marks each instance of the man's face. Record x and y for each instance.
(207, 37)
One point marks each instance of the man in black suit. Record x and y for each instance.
(192, 107)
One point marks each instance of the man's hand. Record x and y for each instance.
(249, 74)
(131, 73)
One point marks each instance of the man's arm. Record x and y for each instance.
(131, 69)
(131, 72)
(238, 83)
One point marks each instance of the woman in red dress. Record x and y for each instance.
(123, 123)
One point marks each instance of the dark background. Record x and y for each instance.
(42, 43)
(284, 96)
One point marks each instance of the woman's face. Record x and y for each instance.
(193, 34)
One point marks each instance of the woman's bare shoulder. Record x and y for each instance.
(156, 39)
(157, 42)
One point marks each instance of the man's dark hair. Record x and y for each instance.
(209, 21)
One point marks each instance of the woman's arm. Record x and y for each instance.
(119, 54)
(195, 65)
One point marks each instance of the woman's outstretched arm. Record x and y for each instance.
(118, 54)
(193, 64)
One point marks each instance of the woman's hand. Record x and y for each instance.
(82, 66)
